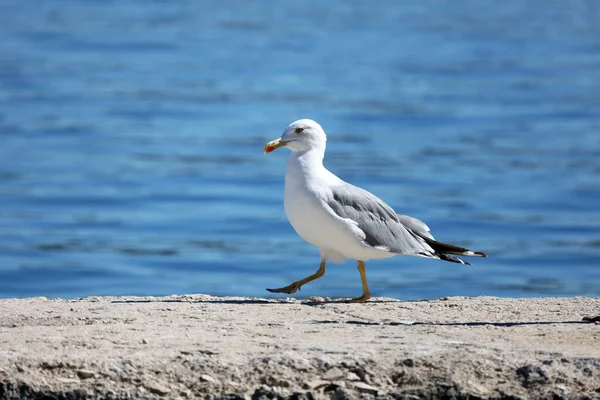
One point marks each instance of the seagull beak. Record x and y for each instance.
(274, 145)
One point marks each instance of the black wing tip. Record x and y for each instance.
(451, 258)
(474, 254)
(445, 248)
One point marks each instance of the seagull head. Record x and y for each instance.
(299, 136)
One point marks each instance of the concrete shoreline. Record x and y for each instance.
(194, 346)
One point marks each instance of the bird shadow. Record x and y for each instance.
(304, 302)
(470, 324)
(226, 301)
(585, 320)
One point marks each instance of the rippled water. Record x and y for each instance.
(131, 142)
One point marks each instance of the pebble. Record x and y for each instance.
(334, 374)
(352, 377)
(67, 380)
(408, 362)
(337, 384)
(116, 369)
(328, 386)
(208, 378)
(315, 385)
(157, 388)
(363, 387)
(478, 389)
(85, 374)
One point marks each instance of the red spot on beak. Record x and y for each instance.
(273, 145)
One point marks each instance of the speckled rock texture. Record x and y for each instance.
(198, 346)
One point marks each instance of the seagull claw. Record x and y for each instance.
(288, 289)
(361, 299)
(293, 287)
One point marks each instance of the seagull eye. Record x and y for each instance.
(299, 130)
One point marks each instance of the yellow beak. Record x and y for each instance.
(274, 145)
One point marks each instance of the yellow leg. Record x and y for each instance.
(363, 277)
(298, 284)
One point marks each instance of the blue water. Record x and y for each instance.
(131, 138)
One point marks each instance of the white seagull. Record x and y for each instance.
(344, 221)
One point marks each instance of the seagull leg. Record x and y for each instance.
(363, 277)
(298, 284)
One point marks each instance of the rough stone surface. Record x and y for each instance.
(333, 374)
(198, 346)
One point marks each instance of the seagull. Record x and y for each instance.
(342, 220)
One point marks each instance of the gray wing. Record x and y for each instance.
(380, 224)
(415, 225)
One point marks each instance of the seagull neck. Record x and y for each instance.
(309, 162)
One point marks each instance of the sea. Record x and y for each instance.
(132, 134)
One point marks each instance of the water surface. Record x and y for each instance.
(131, 142)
